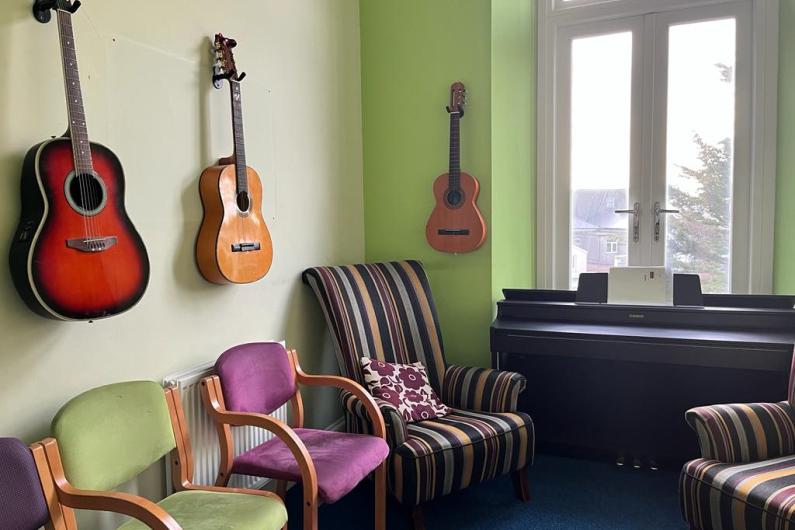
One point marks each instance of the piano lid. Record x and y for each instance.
(710, 311)
(592, 289)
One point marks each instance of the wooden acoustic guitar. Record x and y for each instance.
(234, 244)
(76, 255)
(456, 224)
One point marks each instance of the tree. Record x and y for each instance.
(699, 236)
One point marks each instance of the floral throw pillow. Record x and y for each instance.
(406, 387)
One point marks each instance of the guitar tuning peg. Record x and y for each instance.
(75, 6)
(241, 77)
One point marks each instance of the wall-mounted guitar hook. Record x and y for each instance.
(218, 77)
(42, 8)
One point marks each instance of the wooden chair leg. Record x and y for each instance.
(520, 485)
(417, 519)
(380, 497)
(281, 491)
(281, 488)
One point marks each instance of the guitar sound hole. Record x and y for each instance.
(86, 193)
(455, 198)
(243, 201)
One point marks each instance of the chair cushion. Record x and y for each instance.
(463, 448)
(22, 504)
(405, 386)
(459, 429)
(110, 434)
(757, 495)
(256, 377)
(200, 510)
(341, 460)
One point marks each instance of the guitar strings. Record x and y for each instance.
(78, 159)
(87, 168)
(83, 163)
(64, 24)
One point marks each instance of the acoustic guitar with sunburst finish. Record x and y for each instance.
(456, 224)
(234, 244)
(75, 255)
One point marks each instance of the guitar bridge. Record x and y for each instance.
(245, 247)
(92, 244)
(453, 232)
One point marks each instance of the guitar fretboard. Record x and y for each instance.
(454, 172)
(240, 144)
(78, 131)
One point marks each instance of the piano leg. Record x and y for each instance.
(520, 484)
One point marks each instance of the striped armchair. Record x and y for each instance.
(746, 476)
(385, 311)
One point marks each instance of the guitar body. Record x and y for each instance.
(65, 264)
(225, 247)
(456, 224)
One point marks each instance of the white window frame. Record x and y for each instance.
(752, 248)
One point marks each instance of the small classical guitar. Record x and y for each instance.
(234, 245)
(76, 255)
(456, 225)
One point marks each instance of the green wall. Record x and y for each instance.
(513, 140)
(784, 271)
(412, 50)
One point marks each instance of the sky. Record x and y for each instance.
(698, 100)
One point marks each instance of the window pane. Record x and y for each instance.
(600, 143)
(700, 140)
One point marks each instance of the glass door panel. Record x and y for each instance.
(601, 123)
(699, 159)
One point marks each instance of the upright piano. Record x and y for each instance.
(614, 381)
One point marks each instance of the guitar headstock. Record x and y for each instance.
(458, 94)
(42, 8)
(225, 67)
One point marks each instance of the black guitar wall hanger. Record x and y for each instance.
(218, 77)
(42, 8)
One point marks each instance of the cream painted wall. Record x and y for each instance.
(145, 68)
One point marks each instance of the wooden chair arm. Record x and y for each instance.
(142, 509)
(373, 412)
(213, 401)
(225, 489)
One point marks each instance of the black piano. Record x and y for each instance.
(614, 382)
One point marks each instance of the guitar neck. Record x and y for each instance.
(239, 141)
(454, 172)
(78, 131)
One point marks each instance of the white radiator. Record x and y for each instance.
(203, 436)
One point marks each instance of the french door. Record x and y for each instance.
(652, 151)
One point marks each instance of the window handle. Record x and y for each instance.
(658, 210)
(635, 211)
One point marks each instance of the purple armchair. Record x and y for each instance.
(252, 381)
